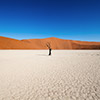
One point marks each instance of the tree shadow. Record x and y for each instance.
(42, 55)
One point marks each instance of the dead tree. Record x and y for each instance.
(49, 47)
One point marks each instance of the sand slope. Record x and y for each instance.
(56, 43)
(66, 75)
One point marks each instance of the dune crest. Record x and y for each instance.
(56, 43)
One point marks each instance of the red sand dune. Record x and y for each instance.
(56, 43)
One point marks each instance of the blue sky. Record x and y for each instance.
(66, 19)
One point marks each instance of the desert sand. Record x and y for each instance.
(33, 75)
(56, 43)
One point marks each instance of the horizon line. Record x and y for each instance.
(46, 38)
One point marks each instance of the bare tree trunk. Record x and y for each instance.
(49, 47)
(49, 51)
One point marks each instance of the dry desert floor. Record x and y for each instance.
(33, 75)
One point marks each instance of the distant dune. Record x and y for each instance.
(56, 43)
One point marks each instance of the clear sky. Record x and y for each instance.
(66, 19)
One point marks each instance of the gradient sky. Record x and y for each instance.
(66, 19)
